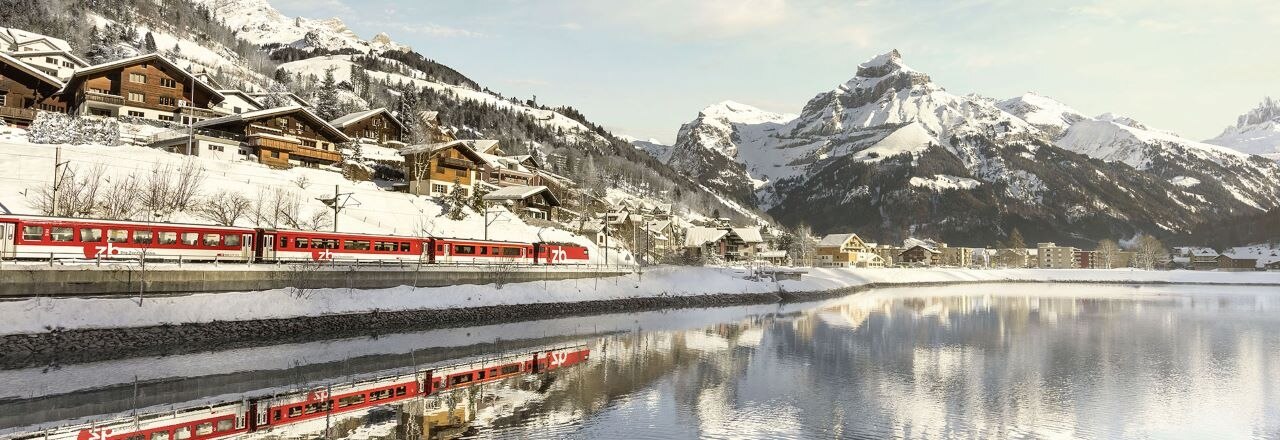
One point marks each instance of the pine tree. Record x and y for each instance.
(407, 108)
(327, 105)
(1016, 241)
(282, 76)
(149, 43)
(457, 202)
(478, 202)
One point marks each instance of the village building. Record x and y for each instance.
(527, 201)
(279, 137)
(25, 90)
(1052, 256)
(147, 86)
(1253, 257)
(920, 255)
(17, 40)
(889, 254)
(377, 126)
(956, 256)
(57, 63)
(775, 257)
(290, 97)
(723, 244)
(1195, 257)
(238, 102)
(434, 169)
(846, 250)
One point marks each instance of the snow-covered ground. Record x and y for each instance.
(37, 315)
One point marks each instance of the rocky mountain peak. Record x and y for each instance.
(1266, 111)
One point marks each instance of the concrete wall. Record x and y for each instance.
(26, 281)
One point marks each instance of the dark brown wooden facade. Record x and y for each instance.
(434, 171)
(24, 90)
(920, 255)
(284, 137)
(147, 86)
(380, 127)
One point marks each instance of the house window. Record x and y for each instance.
(168, 82)
(168, 100)
(136, 114)
(137, 97)
(237, 110)
(438, 188)
(138, 78)
(167, 118)
(215, 148)
(67, 64)
(4, 99)
(51, 60)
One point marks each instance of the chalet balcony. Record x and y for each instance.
(293, 148)
(103, 98)
(18, 113)
(450, 162)
(199, 112)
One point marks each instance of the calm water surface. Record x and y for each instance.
(1025, 361)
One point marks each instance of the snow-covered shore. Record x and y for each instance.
(39, 315)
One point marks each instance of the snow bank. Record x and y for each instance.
(42, 314)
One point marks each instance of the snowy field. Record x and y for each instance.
(36, 315)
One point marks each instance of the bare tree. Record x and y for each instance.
(168, 190)
(804, 247)
(1108, 252)
(119, 200)
(1149, 252)
(302, 182)
(224, 208)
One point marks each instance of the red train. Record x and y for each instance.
(35, 237)
(263, 413)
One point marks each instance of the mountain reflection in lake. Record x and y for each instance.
(1026, 361)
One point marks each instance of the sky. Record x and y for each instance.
(643, 68)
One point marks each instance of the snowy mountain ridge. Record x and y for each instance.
(1255, 132)
(890, 150)
(257, 22)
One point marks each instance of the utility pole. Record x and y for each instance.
(57, 179)
(338, 204)
(191, 121)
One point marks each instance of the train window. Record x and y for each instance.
(460, 379)
(379, 395)
(190, 238)
(404, 247)
(205, 428)
(384, 246)
(312, 408)
(300, 243)
(277, 414)
(142, 237)
(284, 242)
(464, 250)
(400, 390)
(511, 252)
(136, 437)
(182, 433)
(224, 425)
(355, 245)
(33, 233)
(439, 248)
(212, 240)
(509, 369)
(162, 435)
(231, 239)
(61, 234)
(480, 375)
(350, 400)
(117, 235)
(167, 237)
(295, 411)
(90, 235)
(484, 250)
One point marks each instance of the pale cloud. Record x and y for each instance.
(701, 19)
(316, 8)
(433, 30)
(570, 26)
(527, 82)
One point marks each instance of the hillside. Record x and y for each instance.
(1255, 132)
(891, 154)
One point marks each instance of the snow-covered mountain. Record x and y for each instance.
(653, 147)
(891, 153)
(257, 22)
(1255, 132)
(1208, 170)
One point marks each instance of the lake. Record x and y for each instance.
(975, 361)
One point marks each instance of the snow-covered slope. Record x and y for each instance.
(1255, 132)
(257, 22)
(708, 148)
(651, 146)
(890, 152)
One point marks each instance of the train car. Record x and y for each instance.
(463, 251)
(37, 237)
(263, 413)
(291, 245)
(559, 253)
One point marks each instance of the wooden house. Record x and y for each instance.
(25, 90)
(147, 86)
(920, 255)
(433, 169)
(281, 137)
(377, 126)
(527, 201)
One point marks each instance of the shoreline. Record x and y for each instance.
(63, 346)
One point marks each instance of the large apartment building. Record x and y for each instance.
(1052, 256)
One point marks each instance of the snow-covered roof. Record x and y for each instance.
(462, 145)
(20, 37)
(749, 235)
(151, 57)
(44, 53)
(351, 118)
(18, 64)
(273, 112)
(505, 162)
(482, 145)
(1263, 253)
(927, 243)
(296, 99)
(772, 254)
(246, 96)
(1204, 252)
(698, 236)
(835, 240)
(521, 192)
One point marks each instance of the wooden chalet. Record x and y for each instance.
(282, 137)
(920, 255)
(433, 169)
(528, 201)
(147, 86)
(25, 90)
(375, 126)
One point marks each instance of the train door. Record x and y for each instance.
(429, 251)
(268, 247)
(261, 415)
(447, 252)
(246, 247)
(8, 246)
(537, 252)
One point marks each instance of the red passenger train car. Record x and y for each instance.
(268, 412)
(35, 237)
